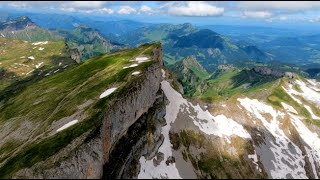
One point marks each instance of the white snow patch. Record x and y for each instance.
(60, 63)
(288, 108)
(30, 72)
(311, 139)
(3, 35)
(38, 65)
(313, 116)
(41, 48)
(283, 163)
(56, 71)
(133, 65)
(291, 91)
(136, 73)
(21, 64)
(40, 43)
(163, 73)
(22, 57)
(142, 59)
(107, 92)
(67, 125)
(312, 81)
(217, 125)
(31, 57)
(148, 170)
(308, 93)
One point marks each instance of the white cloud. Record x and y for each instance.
(194, 8)
(67, 9)
(257, 14)
(146, 9)
(87, 4)
(126, 10)
(26, 4)
(86, 7)
(314, 20)
(283, 18)
(106, 10)
(278, 5)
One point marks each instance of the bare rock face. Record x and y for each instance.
(170, 160)
(290, 75)
(268, 71)
(131, 128)
(142, 138)
(160, 157)
(75, 55)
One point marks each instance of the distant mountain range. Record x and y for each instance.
(24, 29)
(209, 48)
(88, 41)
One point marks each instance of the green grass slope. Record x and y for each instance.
(20, 59)
(59, 96)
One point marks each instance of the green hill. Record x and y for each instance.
(22, 59)
(76, 90)
(180, 41)
(88, 41)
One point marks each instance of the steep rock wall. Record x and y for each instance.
(87, 154)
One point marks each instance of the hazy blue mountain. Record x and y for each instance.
(116, 27)
(23, 28)
(180, 41)
(88, 41)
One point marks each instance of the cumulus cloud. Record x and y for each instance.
(278, 5)
(194, 8)
(87, 7)
(69, 6)
(126, 10)
(257, 14)
(106, 10)
(87, 4)
(146, 9)
(28, 4)
(314, 20)
(283, 18)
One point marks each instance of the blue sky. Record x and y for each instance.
(267, 13)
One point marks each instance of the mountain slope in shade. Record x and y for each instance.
(190, 74)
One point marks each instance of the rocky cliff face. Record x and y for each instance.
(242, 137)
(130, 128)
